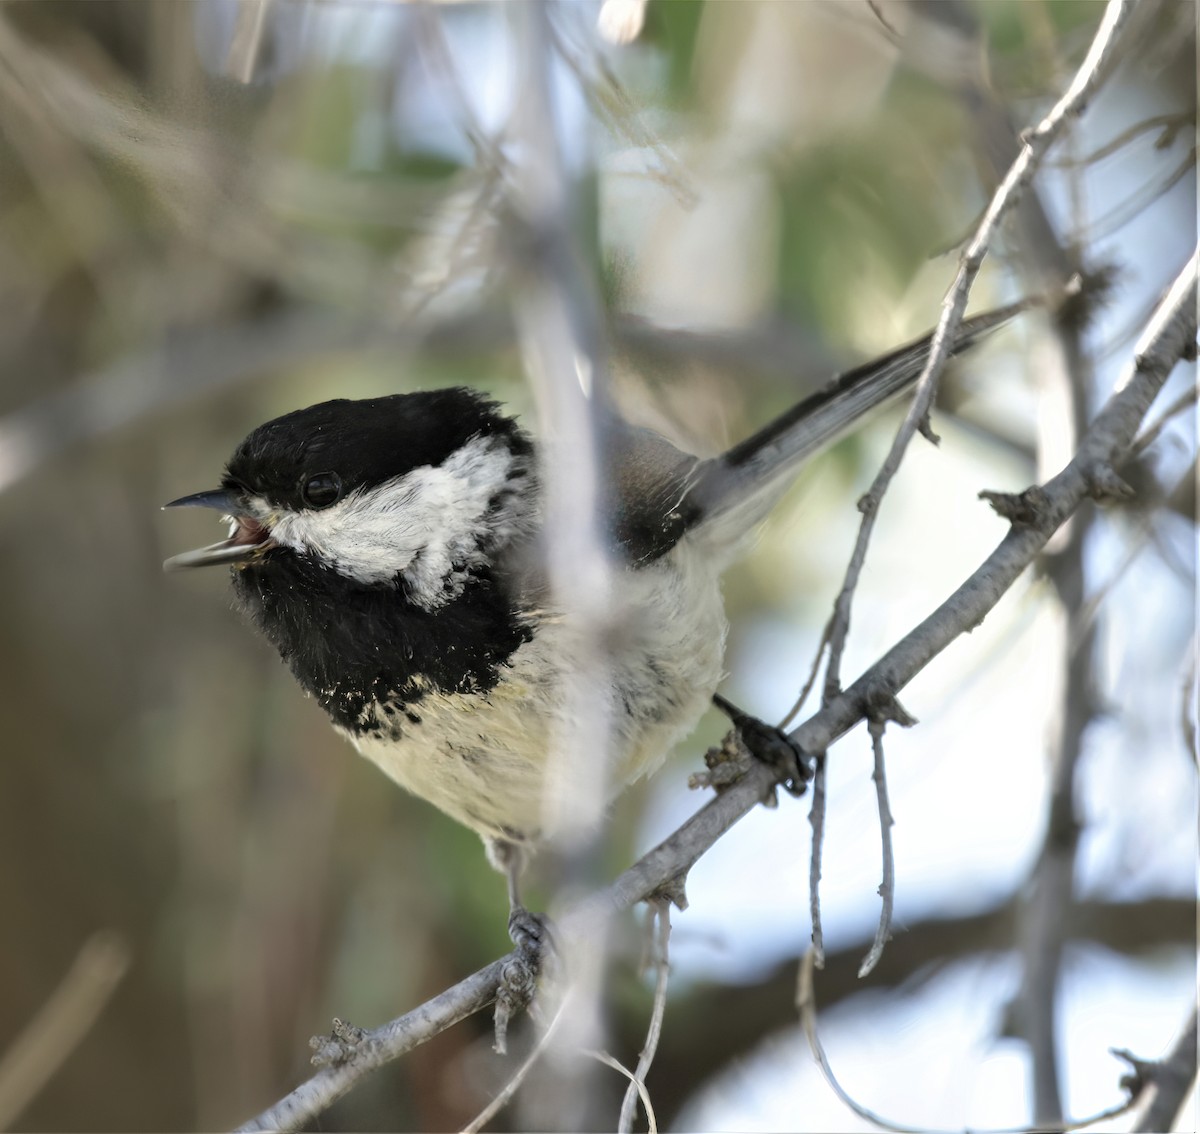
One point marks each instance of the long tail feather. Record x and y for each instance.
(730, 494)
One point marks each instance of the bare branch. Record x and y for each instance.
(1035, 145)
(1042, 932)
(558, 322)
(381, 1046)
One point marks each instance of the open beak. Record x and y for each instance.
(247, 537)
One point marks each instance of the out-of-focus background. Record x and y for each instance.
(214, 212)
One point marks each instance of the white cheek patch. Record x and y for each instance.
(426, 524)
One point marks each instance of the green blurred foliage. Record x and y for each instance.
(672, 28)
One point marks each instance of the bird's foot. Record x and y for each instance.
(763, 742)
(534, 954)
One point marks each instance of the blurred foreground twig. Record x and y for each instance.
(65, 1018)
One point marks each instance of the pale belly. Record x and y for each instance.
(483, 758)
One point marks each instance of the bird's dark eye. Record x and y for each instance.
(322, 490)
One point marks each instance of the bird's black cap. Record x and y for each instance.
(365, 442)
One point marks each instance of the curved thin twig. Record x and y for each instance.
(505, 1095)
(806, 1004)
(637, 1085)
(887, 888)
(1151, 433)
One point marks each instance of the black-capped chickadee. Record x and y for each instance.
(389, 550)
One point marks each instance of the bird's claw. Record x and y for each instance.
(771, 746)
(534, 943)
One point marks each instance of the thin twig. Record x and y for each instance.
(1036, 143)
(893, 36)
(63, 1020)
(1150, 434)
(662, 912)
(1172, 125)
(1052, 254)
(806, 1004)
(613, 105)
(245, 49)
(1142, 537)
(510, 1088)
(1172, 328)
(1111, 222)
(887, 888)
(809, 681)
(636, 1084)
(816, 819)
(1187, 705)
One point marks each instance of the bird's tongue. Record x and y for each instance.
(246, 536)
(247, 532)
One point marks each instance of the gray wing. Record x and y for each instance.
(660, 493)
(648, 507)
